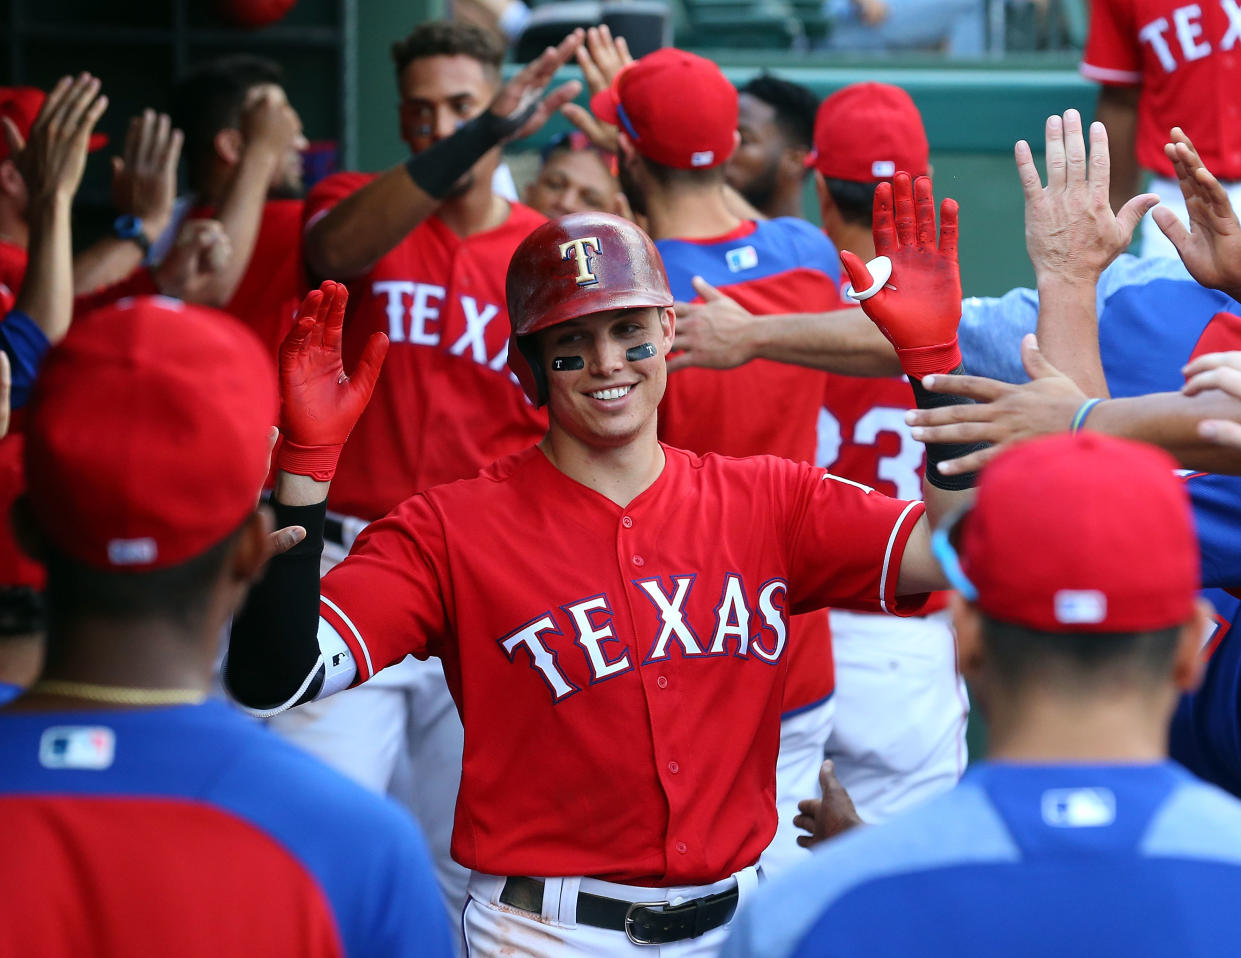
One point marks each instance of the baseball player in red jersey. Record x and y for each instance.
(1166, 63)
(427, 270)
(673, 157)
(619, 675)
(901, 706)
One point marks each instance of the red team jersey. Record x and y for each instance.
(1187, 59)
(592, 649)
(762, 408)
(446, 404)
(12, 269)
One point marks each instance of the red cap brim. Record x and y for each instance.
(603, 106)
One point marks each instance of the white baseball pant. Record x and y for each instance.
(901, 711)
(493, 929)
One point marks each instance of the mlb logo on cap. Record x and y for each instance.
(867, 132)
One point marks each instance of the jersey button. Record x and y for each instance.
(639, 561)
(627, 522)
(662, 681)
(673, 767)
(682, 847)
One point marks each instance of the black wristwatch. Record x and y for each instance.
(129, 227)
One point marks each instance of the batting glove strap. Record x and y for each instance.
(937, 452)
(919, 361)
(317, 462)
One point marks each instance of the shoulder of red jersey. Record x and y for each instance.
(331, 190)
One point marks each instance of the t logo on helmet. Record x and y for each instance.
(578, 248)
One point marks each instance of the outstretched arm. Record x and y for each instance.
(274, 657)
(720, 333)
(364, 226)
(1004, 413)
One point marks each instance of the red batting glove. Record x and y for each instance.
(919, 308)
(319, 404)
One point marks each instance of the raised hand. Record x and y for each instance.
(52, 161)
(144, 177)
(601, 58)
(1002, 413)
(1211, 246)
(319, 403)
(917, 306)
(6, 392)
(1070, 228)
(189, 270)
(521, 106)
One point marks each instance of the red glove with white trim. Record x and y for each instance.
(319, 404)
(918, 308)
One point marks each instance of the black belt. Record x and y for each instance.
(643, 922)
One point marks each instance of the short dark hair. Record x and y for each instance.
(210, 97)
(178, 593)
(1070, 661)
(448, 38)
(671, 176)
(856, 201)
(795, 106)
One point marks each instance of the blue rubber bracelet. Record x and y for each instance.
(1079, 417)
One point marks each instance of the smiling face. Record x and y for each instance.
(610, 400)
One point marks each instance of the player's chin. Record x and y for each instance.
(461, 187)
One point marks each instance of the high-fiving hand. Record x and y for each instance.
(917, 308)
(319, 403)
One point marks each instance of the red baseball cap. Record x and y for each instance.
(1083, 533)
(867, 132)
(147, 439)
(16, 568)
(22, 104)
(678, 109)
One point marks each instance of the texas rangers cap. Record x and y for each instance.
(867, 132)
(21, 104)
(678, 108)
(1083, 533)
(147, 437)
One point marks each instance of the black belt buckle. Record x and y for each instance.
(630, 921)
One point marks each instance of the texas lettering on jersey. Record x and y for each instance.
(1184, 37)
(414, 316)
(590, 626)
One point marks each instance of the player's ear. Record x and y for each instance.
(1188, 663)
(736, 142)
(227, 144)
(668, 326)
(967, 621)
(627, 152)
(793, 163)
(26, 530)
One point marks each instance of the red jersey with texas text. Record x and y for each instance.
(619, 671)
(446, 404)
(1187, 59)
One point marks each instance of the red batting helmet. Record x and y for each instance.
(573, 266)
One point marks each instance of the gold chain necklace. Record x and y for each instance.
(119, 694)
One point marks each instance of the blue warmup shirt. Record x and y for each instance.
(191, 831)
(26, 345)
(9, 691)
(1020, 862)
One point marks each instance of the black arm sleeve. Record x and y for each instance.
(274, 643)
(937, 452)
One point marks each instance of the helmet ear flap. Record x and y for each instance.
(533, 356)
